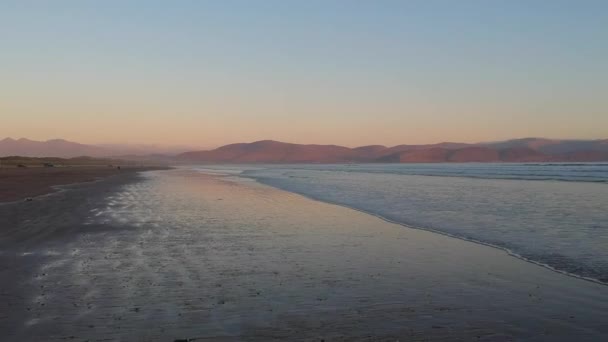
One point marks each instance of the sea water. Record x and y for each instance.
(552, 214)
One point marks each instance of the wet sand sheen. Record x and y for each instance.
(186, 255)
(19, 183)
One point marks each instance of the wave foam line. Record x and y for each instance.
(479, 242)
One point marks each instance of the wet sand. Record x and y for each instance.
(20, 183)
(180, 255)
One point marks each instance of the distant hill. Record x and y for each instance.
(516, 150)
(68, 149)
(50, 148)
(269, 151)
(552, 146)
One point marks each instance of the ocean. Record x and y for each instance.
(555, 215)
(184, 254)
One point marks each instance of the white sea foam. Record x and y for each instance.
(561, 224)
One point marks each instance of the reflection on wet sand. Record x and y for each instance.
(187, 255)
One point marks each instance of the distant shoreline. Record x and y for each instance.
(170, 255)
(18, 184)
(524, 150)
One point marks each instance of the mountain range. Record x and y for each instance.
(67, 149)
(516, 150)
(269, 151)
(50, 148)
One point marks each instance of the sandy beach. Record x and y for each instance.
(168, 255)
(20, 183)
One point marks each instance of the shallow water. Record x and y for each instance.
(553, 214)
(186, 255)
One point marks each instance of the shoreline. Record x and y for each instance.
(21, 221)
(237, 262)
(103, 173)
(477, 242)
(17, 184)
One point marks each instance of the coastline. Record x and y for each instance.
(436, 231)
(60, 209)
(179, 254)
(559, 224)
(17, 184)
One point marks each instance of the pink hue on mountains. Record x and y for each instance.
(519, 150)
(431, 155)
(50, 148)
(269, 151)
(523, 154)
(68, 149)
(474, 154)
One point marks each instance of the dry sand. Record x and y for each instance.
(180, 255)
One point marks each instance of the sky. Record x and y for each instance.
(208, 73)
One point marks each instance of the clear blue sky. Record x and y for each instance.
(346, 72)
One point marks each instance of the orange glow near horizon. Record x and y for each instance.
(157, 123)
(208, 74)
